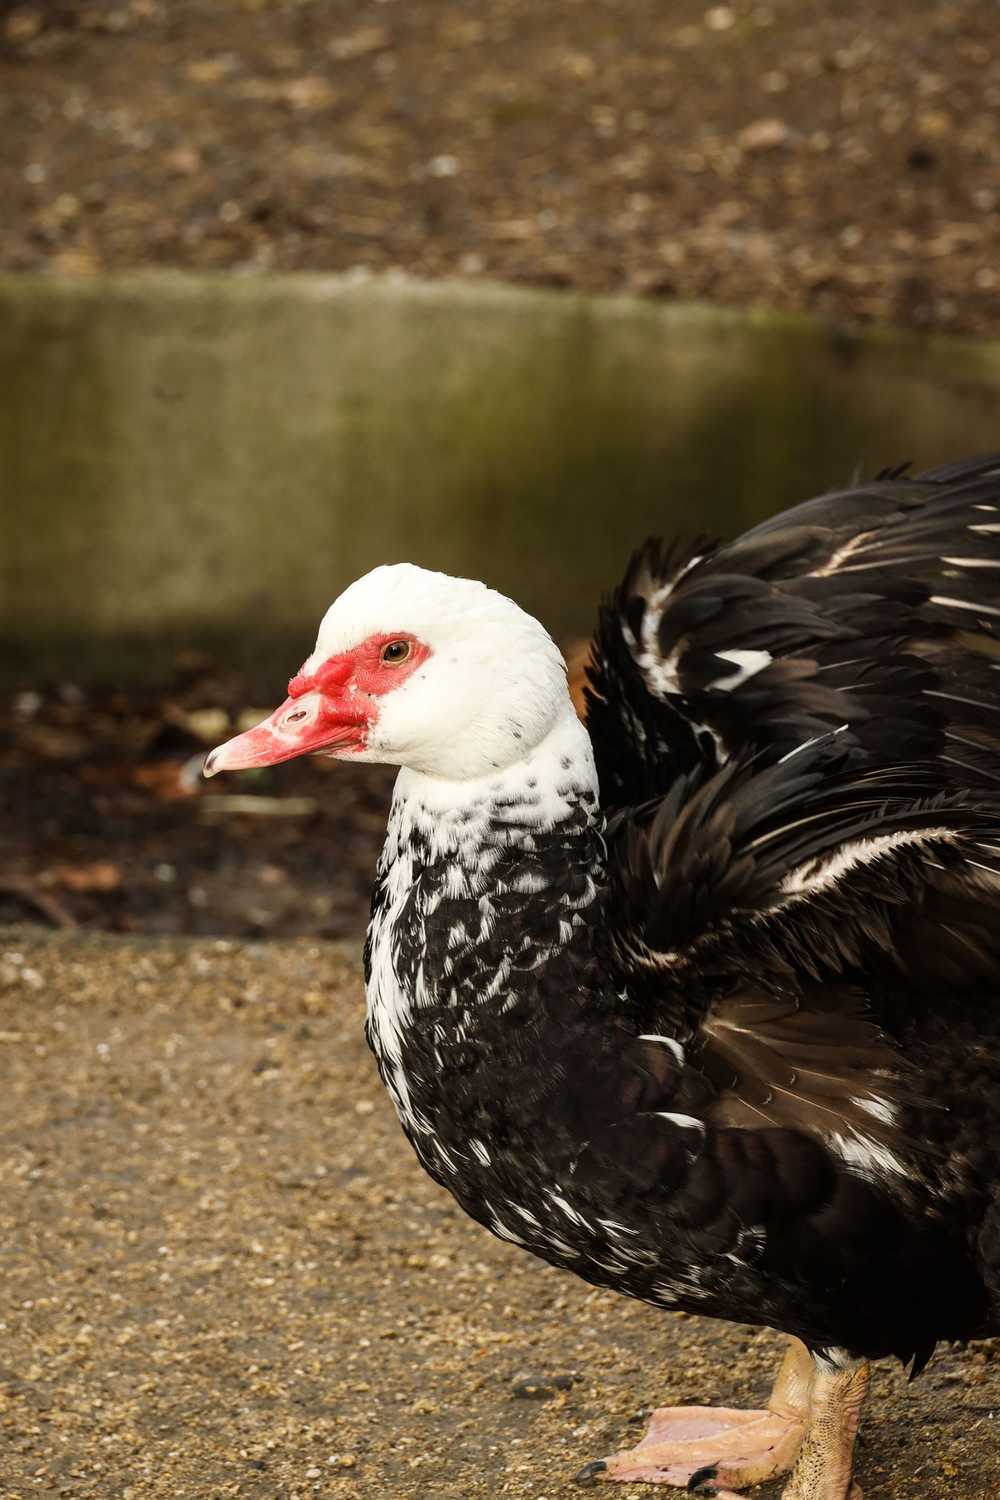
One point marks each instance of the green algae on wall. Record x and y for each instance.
(208, 460)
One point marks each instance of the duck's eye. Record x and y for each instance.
(394, 653)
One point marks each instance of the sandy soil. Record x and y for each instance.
(225, 1275)
(835, 155)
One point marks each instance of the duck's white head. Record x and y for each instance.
(412, 668)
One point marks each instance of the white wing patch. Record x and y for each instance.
(979, 609)
(813, 740)
(660, 672)
(822, 874)
(747, 664)
(879, 1109)
(668, 1042)
(686, 1122)
(869, 1158)
(567, 1208)
(840, 557)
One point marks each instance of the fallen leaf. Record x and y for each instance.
(164, 778)
(54, 742)
(100, 875)
(209, 725)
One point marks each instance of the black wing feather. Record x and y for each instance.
(879, 608)
(798, 740)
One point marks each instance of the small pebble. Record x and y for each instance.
(541, 1387)
(720, 18)
(764, 135)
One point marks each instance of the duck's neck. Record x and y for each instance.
(480, 883)
(553, 785)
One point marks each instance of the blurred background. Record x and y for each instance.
(292, 287)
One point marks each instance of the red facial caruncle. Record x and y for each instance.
(331, 707)
(363, 669)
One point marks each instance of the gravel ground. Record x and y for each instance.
(835, 155)
(225, 1274)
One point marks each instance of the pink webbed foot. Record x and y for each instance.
(706, 1450)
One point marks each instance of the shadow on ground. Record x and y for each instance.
(225, 1275)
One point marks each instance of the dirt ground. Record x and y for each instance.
(226, 1275)
(106, 821)
(835, 155)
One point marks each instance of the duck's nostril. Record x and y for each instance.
(293, 717)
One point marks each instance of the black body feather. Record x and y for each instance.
(743, 1057)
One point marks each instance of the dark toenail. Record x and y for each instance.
(590, 1471)
(701, 1478)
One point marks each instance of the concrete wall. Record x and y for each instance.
(209, 460)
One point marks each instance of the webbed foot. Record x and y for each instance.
(706, 1450)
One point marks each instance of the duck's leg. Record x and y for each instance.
(721, 1448)
(825, 1465)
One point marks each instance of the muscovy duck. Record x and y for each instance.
(701, 1000)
